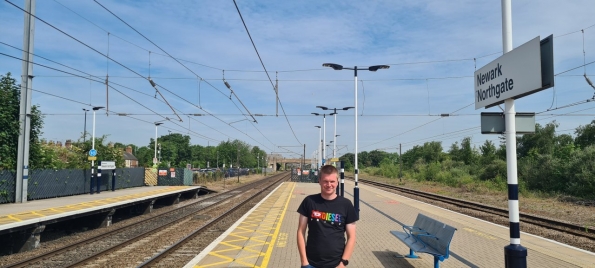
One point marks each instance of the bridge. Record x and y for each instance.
(277, 162)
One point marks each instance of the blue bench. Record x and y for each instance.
(429, 236)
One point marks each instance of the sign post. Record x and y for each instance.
(517, 73)
(109, 165)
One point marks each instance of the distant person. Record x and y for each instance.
(327, 217)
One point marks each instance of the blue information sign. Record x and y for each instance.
(92, 152)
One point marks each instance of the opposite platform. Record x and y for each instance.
(476, 243)
(15, 215)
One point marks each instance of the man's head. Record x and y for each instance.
(328, 180)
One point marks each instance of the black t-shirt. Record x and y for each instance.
(326, 228)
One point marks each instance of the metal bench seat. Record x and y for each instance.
(429, 236)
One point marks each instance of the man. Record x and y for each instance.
(328, 217)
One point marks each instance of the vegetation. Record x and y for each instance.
(10, 95)
(547, 163)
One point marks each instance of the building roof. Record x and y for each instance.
(129, 156)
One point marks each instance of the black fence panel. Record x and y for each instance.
(307, 176)
(7, 186)
(170, 179)
(125, 178)
(48, 183)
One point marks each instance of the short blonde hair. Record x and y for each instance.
(329, 169)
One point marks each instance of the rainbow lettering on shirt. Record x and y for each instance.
(325, 216)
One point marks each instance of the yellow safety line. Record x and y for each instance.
(267, 256)
(93, 203)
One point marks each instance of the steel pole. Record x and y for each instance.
(323, 136)
(22, 178)
(155, 156)
(356, 171)
(515, 255)
(335, 136)
(319, 148)
(85, 128)
(93, 148)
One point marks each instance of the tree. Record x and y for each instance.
(585, 135)
(488, 152)
(541, 142)
(9, 126)
(468, 153)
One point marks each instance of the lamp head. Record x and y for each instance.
(332, 114)
(347, 108)
(376, 67)
(322, 107)
(317, 114)
(97, 108)
(318, 126)
(86, 110)
(335, 67)
(158, 124)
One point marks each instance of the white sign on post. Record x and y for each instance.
(512, 74)
(108, 165)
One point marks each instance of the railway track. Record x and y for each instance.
(573, 229)
(133, 243)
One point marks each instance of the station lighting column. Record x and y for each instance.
(372, 69)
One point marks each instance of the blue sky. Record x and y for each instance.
(429, 45)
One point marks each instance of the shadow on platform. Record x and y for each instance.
(388, 259)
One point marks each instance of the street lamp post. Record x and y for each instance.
(373, 68)
(93, 149)
(335, 131)
(155, 155)
(319, 160)
(85, 127)
(335, 146)
(323, 131)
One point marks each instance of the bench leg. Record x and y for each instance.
(411, 254)
(436, 262)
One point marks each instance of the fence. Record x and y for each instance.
(306, 176)
(180, 176)
(49, 183)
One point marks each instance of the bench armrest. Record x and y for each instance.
(413, 231)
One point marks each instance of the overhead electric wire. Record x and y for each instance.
(81, 42)
(101, 82)
(118, 64)
(169, 56)
(98, 81)
(156, 45)
(265, 69)
(121, 114)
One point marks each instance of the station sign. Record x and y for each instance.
(108, 165)
(518, 73)
(494, 123)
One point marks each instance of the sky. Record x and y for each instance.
(189, 48)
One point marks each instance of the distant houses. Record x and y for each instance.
(130, 161)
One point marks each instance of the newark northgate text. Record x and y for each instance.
(492, 90)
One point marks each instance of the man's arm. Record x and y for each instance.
(350, 245)
(301, 239)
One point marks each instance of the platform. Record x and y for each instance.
(266, 235)
(17, 215)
